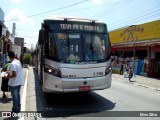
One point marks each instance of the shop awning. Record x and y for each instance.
(138, 46)
(141, 44)
(154, 44)
(123, 45)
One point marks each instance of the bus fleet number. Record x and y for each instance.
(98, 73)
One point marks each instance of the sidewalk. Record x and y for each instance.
(6, 104)
(141, 81)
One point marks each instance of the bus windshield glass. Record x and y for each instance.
(76, 48)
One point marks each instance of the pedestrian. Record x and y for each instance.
(127, 68)
(130, 72)
(4, 84)
(121, 70)
(126, 75)
(15, 81)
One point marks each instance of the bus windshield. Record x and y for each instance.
(78, 48)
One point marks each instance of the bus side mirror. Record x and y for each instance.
(42, 36)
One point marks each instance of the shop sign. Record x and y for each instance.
(128, 34)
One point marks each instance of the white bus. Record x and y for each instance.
(73, 55)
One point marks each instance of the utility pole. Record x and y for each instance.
(32, 48)
(14, 29)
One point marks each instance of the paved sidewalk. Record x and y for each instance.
(6, 104)
(141, 81)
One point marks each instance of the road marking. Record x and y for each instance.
(23, 98)
(143, 85)
(157, 89)
(136, 84)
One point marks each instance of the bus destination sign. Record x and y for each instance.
(97, 27)
(79, 27)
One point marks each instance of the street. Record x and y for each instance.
(85, 59)
(122, 96)
(122, 101)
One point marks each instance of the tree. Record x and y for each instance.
(26, 58)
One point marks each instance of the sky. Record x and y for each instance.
(29, 14)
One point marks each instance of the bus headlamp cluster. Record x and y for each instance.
(52, 71)
(49, 70)
(108, 70)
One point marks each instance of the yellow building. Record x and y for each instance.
(139, 42)
(148, 31)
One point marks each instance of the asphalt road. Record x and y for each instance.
(122, 101)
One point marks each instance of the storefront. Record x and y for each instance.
(6, 40)
(140, 46)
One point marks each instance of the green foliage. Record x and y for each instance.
(26, 58)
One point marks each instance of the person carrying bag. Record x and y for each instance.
(4, 84)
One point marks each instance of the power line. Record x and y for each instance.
(136, 19)
(117, 4)
(50, 10)
(40, 14)
(88, 8)
(131, 17)
(105, 4)
(22, 30)
(107, 11)
(28, 37)
(25, 30)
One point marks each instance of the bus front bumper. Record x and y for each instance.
(65, 85)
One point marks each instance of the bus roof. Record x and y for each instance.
(71, 18)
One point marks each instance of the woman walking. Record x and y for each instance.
(130, 72)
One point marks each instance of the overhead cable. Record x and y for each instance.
(51, 10)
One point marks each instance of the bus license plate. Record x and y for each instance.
(85, 88)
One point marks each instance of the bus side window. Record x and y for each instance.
(51, 46)
(97, 47)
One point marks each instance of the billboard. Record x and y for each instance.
(147, 31)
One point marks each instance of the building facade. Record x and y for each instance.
(1, 27)
(140, 46)
(8, 41)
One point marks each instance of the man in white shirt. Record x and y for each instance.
(15, 81)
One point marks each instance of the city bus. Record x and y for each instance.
(73, 55)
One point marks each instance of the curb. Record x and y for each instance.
(157, 89)
(138, 84)
(143, 85)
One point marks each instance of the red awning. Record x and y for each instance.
(154, 44)
(139, 46)
(122, 45)
(155, 49)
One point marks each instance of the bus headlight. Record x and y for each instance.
(108, 70)
(49, 70)
(52, 71)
